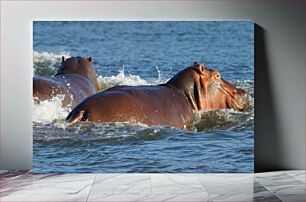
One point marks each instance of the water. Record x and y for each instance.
(145, 53)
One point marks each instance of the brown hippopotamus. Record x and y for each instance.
(173, 103)
(75, 79)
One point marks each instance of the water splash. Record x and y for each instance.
(223, 119)
(120, 79)
(48, 111)
(46, 64)
(160, 79)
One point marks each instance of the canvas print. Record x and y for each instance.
(143, 96)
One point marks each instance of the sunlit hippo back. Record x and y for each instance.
(173, 103)
(206, 90)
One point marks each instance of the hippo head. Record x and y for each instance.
(205, 89)
(79, 65)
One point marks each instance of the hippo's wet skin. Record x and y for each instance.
(173, 103)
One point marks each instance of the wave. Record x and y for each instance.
(127, 79)
(120, 131)
(46, 64)
(49, 111)
(223, 119)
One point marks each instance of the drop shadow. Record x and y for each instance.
(267, 135)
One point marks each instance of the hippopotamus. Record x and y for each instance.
(75, 79)
(173, 103)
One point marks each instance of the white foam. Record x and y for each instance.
(46, 64)
(228, 119)
(120, 79)
(127, 79)
(48, 111)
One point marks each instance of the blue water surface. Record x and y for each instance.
(220, 142)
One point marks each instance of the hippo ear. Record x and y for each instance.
(199, 67)
(89, 60)
(64, 58)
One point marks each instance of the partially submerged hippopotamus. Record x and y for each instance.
(75, 79)
(173, 103)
